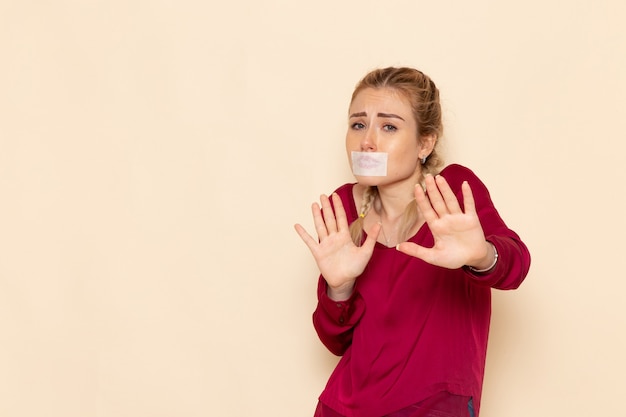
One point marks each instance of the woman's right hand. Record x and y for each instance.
(339, 260)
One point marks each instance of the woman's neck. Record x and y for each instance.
(391, 207)
(393, 199)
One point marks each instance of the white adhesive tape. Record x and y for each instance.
(369, 164)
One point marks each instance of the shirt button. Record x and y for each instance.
(341, 320)
(339, 305)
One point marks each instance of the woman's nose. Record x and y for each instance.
(368, 142)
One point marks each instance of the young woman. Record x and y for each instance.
(408, 256)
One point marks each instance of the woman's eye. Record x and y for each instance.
(358, 126)
(390, 128)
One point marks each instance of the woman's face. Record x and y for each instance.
(381, 120)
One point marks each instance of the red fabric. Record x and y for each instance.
(412, 330)
(440, 405)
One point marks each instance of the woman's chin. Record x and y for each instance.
(369, 181)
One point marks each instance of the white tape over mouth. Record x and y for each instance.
(369, 164)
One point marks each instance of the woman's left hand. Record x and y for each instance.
(459, 237)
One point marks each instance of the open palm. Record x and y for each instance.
(458, 236)
(339, 260)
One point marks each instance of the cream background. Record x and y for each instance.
(154, 156)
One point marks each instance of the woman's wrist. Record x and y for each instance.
(340, 293)
(489, 263)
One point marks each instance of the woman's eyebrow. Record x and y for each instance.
(391, 115)
(387, 115)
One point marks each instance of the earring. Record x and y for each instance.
(424, 160)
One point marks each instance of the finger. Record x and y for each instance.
(318, 221)
(340, 213)
(423, 203)
(413, 249)
(306, 237)
(468, 198)
(452, 203)
(435, 197)
(372, 236)
(329, 215)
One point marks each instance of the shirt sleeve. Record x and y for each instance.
(334, 321)
(513, 255)
(512, 266)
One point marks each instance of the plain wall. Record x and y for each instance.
(154, 156)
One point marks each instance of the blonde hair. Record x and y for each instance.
(423, 96)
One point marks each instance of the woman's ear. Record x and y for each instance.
(428, 143)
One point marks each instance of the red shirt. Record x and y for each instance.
(411, 330)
